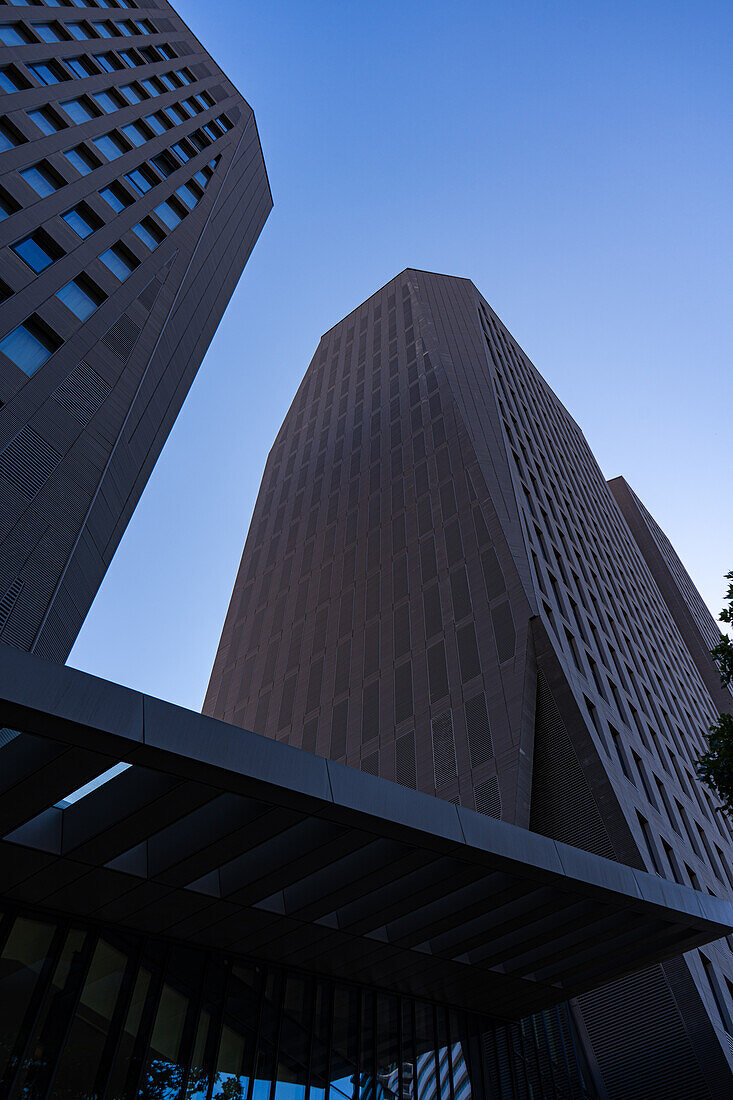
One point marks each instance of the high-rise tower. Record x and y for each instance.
(439, 587)
(132, 191)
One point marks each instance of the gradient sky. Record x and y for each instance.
(573, 159)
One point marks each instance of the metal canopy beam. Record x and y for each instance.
(221, 838)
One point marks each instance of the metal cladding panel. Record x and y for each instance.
(133, 190)
(221, 838)
(685, 605)
(430, 503)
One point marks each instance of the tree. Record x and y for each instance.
(715, 767)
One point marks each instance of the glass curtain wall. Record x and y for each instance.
(93, 1014)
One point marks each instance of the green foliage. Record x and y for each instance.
(715, 767)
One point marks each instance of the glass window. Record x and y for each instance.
(7, 138)
(133, 92)
(40, 179)
(104, 30)
(28, 347)
(79, 299)
(146, 236)
(79, 110)
(8, 206)
(10, 81)
(108, 101)
(141, 180)
(48, 32)
(81, 66)
(81, 220)
(168, 215)
(81, 159)
(187, 196)
(36, 251)
(155, 124)
(118, 262)
(78, 30)
(117, 197)
(46, 121)
(87, 1035)
(110, 145)
(134, 134)
(130, 58)
(21, 963)
(107, 62)
(12, 35)
(48, 72)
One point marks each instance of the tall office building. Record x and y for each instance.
(132, 191)
(438, 587)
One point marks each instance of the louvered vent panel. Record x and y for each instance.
(310, 735)
(404, 764)
(487, 797)
(150, 293)
(200, 71)
(625, 1020)
(182, 48)
(28, 461)
(562, 804)
(338, 730)
(218, 93)
(6, 736)
(479, 733)
(163, 24)
(444, 750)
(121, 338)
(370, 763)
(7, 603)
(82, 392)
(504, 633)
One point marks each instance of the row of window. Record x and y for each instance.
(24, 34)
(56, 71)
(69, 3)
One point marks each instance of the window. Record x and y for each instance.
(7, 205)
(79, 110)
(187, 196)
(82, 159)
(109, 101)
(116, 197)
(107, 62)
(104, 30)
(47, 121)
(133, 92)
(168, 215)
(110, 145)
(49, 72)
(13, 35)
(135, 134)
(142, 179)
(82, 220)
(9, 136)
(11, 80)
(48, 32)
(81, 66)
(30, 345)
(37, 251)
(80, 31)
(155, 123)
(81, 297)
(148, 233)
(42, 179)
(119, 261)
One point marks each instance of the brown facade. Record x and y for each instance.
(438, 587)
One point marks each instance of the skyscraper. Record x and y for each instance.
(132, 191)
(438, 587)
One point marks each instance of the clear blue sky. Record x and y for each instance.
(573, 159)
